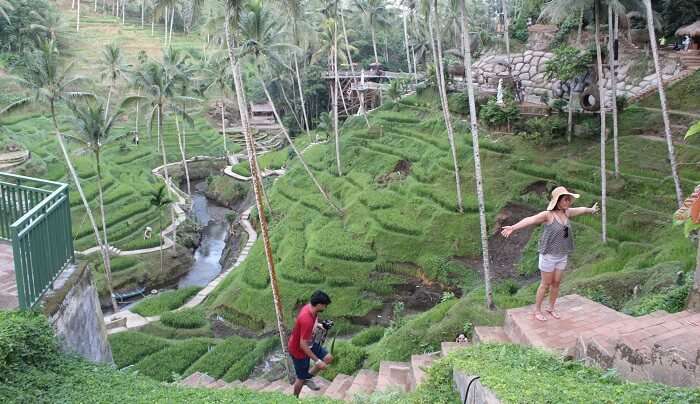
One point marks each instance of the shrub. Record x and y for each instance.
(129, 347)
(166, 364)
(242, 368)
(347, 359)
(494, 114)
(368, 336)
(26, 339)
(187, 318)
(165, 301)
(546, 130)
(220, 359)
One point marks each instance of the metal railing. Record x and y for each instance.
(35, 217)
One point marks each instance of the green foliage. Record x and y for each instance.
(129, 347)
(26, 339)
(165, 301)
(241, 369)
(187, 318)
(677, 13)
(567, 63)
(565, 28)
(493, 114)
(347, 359)
(681, 95)
(547, 131)
(368, 336)
(171, 362)
(672, 299)
(31, 21)
(220, 359)
(518, 374)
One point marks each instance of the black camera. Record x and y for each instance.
(327, 324)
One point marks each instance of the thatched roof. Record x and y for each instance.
(542, 28)
(692, 29)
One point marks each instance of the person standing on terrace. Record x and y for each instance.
(556, 243)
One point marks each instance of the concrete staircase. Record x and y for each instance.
(690, 59)
(392, 376)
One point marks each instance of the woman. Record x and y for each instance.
(556, 243)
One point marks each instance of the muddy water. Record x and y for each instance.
(207, 256)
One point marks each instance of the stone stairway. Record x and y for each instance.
(691, 59)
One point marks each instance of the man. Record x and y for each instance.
(301, 346)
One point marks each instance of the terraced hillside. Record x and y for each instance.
(401, 222)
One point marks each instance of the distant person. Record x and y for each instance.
(556, 243)
(686, 43)
(302, 347)
(662, 41)
(148, 231)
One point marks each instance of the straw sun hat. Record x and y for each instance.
(556, 194)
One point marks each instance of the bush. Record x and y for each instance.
(167, 364)
(242, 368)
(220, 359)
(26, 339)
(165, 301)
(494, 114)
(347, 359)
(546, 131)
(129, 347)
(187, 318)
(368, 336)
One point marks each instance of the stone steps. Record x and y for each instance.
(339, 387)
(395, 376)
(364, 383)
(485, 335)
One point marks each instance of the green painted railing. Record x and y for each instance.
(35, 217)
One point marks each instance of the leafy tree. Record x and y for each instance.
(677, 13)
(114, 67)
(566, 64)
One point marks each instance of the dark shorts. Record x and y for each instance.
(301, 366)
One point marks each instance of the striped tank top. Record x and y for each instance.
(553, 241)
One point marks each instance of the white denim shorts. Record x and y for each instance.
(552, 262)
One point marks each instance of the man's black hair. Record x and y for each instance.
(319, 297)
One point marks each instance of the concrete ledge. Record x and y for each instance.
(478, 393)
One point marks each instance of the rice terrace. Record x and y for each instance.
(366, 201)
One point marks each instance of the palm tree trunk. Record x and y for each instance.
(603, 133)
(415, 66)
(153, 24)
(95, 5)
(505, 30)
(138, 94)
(694, 294)
(290, 106)
(143, 12)
(336, 88)
(374, 43)
(612, 61)
(443, 100)
(477, 162)
(160, 242)
(252, 161)
(108, 261)
(77, 18)
(664, 107)
(109, 97)
(161, 142)
(172, 19)
(360, 95)
(296, 151)
(93, 223)
(182, 153)
(570, 120)
(301, 97)
(223, 129)
(580, 28)
(405, 41)
(123, 12)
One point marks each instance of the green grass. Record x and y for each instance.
(241, 369)
(129, 347)
(169, 363)
(347, 359)
(165, 301)
(526, 375)
(368, 336)
(219, 360)
(681, 95)
(187, 318)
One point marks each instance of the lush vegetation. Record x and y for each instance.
(165, 301)
(523, 375)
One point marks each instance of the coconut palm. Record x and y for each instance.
(6, 6)
(664, 106)
(114, 67)
(49, 83)
(348, 50)
(373, 15)
(233, 9)
(160, 199)
(436, 45)
(219, 75)
(478, 179)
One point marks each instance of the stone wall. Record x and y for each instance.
(529, 68)
(477, 393)
(74, 312)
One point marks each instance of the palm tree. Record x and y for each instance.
(295, 11)
(506, 33)
(94, 132)
(373, 13)
(6, 6)
(220, 77)
(160, 199)
(232, 18)
(113, 67)
(348, 50)
(49, 82)
(432, 15)
(664, 106)
(612, 62)
(466, 50)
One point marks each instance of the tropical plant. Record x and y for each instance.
(219, 75)
(566, 64)
(374, 15)
(114, 67)
(6, 6)
(160, 199)
(50, 82)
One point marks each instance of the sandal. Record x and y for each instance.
(553, 313)
(539, 316)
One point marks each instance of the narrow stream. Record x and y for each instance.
(206, 265)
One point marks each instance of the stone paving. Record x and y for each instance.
(8, 283)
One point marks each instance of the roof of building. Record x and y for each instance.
(690, 29)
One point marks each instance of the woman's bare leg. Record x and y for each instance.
(545, 283)
(554, 291)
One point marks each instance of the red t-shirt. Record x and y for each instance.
(303, 330)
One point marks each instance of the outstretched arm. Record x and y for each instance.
(528, 221)
(572, 212)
